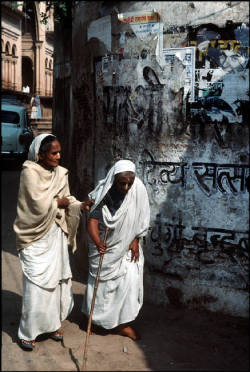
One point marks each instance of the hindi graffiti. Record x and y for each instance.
(210, 177)
(168, 237)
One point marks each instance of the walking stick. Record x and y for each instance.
(92, 305)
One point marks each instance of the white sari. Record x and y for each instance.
(120, 290)
(43, 232)
(47, 287)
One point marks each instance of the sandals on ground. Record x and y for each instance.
(29, 345)
(57, 336)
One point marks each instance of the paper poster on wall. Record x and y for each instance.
(99, 76)
(106, 62)
(143, 24)
(101, 29)
(187, 57)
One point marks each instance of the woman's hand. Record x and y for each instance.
(101, 247)
(134, 247)
(93, 230)
(63, 203)
(87, 205)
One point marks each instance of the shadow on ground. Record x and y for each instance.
(181, 339)
(11, 313)
(176, 338)
(10, 175)
(173, 338)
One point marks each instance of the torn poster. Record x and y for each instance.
(144, 24)
(106, 62)
(99, 78)
(101, 29)
(187, 57)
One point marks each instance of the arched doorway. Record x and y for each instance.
(27, 73)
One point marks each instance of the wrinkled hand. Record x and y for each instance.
(63, 203)
(134, 247)
(87, 205)
(101, 247)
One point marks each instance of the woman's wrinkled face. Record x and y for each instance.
(124, 181)
(52, 157)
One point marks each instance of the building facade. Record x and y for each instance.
(27, 57)
(166, 84)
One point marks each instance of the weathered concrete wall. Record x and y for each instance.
(62, 88)
(166, 85)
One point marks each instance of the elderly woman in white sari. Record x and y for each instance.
(122, 205)
(46, 223)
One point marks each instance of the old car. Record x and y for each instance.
(16, 132)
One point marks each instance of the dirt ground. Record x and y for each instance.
(173, 339)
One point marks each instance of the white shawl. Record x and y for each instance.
(37, 201)
(105, 184)
(130, 221)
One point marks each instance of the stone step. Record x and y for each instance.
(41, 120)
(46, 125)
(42, 130)
(41, 126)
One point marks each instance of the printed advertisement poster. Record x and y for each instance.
(187, 57)
(143, 24)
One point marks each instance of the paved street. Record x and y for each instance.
(172, 338)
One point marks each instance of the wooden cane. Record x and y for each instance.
(92, 305)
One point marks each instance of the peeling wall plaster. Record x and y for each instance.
(192, 156)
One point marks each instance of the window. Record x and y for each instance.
(14, 51)
(7, 49)
(10, 117)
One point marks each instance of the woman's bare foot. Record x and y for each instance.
(127, 331)
(96, 330)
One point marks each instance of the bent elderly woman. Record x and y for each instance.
(46, 222)
(121, 204)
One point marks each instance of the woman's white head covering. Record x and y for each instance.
(35, 146)
(124, 166)
(105, 184)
